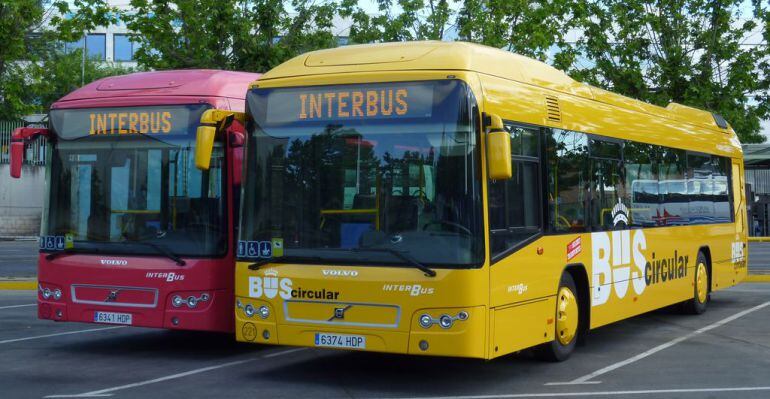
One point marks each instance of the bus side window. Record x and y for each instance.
(514, 204)
(641, 182)
(607, 185)
(567, 154)
(673, 207)
(700, 188)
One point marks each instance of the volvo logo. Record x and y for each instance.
(340, 273)
(114, 262)
(112, 296)
(339, 313)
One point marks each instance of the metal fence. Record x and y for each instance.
(35, 150)
(759, 180)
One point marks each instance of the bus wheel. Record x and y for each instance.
(700, 299)
(567, 322)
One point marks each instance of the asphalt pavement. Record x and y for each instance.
(724, 353)
(18, 259)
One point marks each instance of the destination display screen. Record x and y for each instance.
(126, 121)
(350, 102)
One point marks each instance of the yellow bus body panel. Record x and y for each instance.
(511, 303)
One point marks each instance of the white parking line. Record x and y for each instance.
(598, 393)
(588, 377)
(8, 341)
(108, 391)
(17, 306)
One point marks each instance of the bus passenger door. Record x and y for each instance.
(739, 199)
(519, 274)
(740, 249)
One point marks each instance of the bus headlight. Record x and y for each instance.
(264, 311)
(177, 301)
(249, 310)
(445, 321)
(192, 301)
(57, 294)
(426, 321)
(46, 293)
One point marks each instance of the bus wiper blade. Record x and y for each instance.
(264, 261)
(162, 250)
(69, 251)
(405, 256)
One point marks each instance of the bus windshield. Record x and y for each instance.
(123, 180)
(351, 173)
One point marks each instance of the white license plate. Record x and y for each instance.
(340, 341)
(112, 318)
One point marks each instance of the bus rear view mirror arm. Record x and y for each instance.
(18, 138)
(498, 149)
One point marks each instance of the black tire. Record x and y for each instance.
(557, 351)
(700, 300)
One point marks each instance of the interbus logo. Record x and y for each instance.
(170, 277)
(412, 289)
(113, 262)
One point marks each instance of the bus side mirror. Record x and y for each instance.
(498, 150)
(212, 121)
(204, 146)
(18, 138)
(17, 158)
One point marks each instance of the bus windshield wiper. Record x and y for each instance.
(162, 250)
(69, 251)
(405, 256)
(264, 261)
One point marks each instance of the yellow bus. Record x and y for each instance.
(452, 199)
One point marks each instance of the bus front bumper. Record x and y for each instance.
(464, 338)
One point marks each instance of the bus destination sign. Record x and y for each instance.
(126, 121)
(364, 102)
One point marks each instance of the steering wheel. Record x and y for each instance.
(457, 226)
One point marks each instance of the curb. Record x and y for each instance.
(757, 278)
(17, 285)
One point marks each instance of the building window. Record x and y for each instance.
(123, 48)
(96, 46)
(72, 46)
(95, 43)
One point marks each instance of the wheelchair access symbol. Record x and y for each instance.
(253, 249)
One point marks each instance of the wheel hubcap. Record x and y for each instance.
(566, 316)
(701, 285)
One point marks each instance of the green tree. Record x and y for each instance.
(692, 52)
(521, 26)
(32, 35)
(19, 19)
(60, 74)
(252, 35)
(400, 20)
